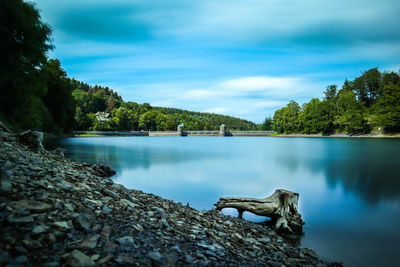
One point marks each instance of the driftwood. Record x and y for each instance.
(281, 207)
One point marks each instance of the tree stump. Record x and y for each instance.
(281, 207)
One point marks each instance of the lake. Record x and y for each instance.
(349, 188)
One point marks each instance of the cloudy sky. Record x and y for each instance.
(243, 58)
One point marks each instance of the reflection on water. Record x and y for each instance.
(349, 188)
(369, 168)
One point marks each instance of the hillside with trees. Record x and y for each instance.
(369, 102)
(128, 116)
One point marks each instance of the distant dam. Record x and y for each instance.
(172, 133)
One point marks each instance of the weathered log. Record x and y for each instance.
(281, 207)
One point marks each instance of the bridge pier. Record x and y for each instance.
(222, 130)
(180, 131)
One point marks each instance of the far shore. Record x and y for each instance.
(344, 135)
(228, 134)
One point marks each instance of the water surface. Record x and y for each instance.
(349, 188)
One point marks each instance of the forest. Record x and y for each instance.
(36, 93)
(128, 116)
(369, 102)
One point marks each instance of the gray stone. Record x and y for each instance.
(104, 259)
(155, 256)
(84, 221)
(62, 226)
(125, 241)
(188, 259)
(111, 193)
(29, 243)
(90, 242)
(106, 209)
(39, 229)
(124, 260)
(110, 247)
(265, 240)
(78, 259)
(210, 253)
(69, 207)
(52, 264)
(21, 220)
(106, 231)
(125, 202)
(5, 181)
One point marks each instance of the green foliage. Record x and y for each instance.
(315, 117)
(58, 99)
(204, 121)
(371, 99)
(286, 120)
(25, 40)
(387, 108)
(125, 119)
(148, 121)
(267, 124)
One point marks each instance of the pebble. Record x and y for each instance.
(62, 226)
(78, 259)
(39, 229)
(125, 241)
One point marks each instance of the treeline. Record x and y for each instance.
(34, 92)
(369, 102)
(37, 94)
(124, 116)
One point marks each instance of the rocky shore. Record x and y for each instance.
(55, 212)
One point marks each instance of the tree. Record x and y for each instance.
(25, 40)
(110, 103)
(387, 108)
(315, 117)
(351, 114)
(267, 124)
(286, 119)
(58, 98)
(126, 119)
(147, 121)
(330, 93)
(390, 78)
(368, 86)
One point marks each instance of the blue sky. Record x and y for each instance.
(242, 58)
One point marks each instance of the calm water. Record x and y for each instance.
(349, 188)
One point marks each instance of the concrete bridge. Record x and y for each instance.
(180, 132)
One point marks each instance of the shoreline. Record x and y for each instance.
(343, 135)
(56, 212)
(231, 134)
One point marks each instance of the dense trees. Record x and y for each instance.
(23, 46)
(58, 99)
(35, 92)
(387, 108)
(128, 116)
(371, 100)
